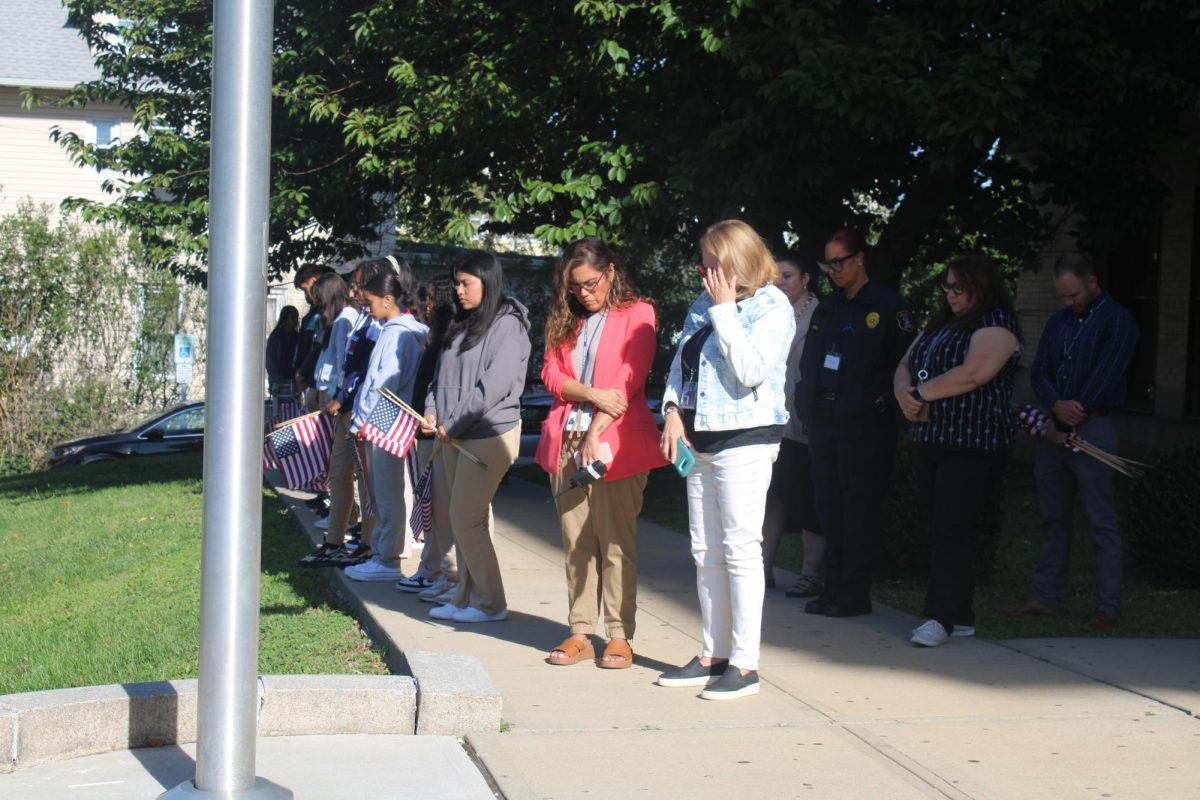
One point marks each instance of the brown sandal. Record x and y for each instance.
(574, 650)
(619, 649)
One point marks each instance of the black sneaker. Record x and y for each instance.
(693, 674)
(320, 557)
(345, 557)
(731, 685)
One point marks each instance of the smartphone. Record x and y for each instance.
(684, 459)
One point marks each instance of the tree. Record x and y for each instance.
(939, 124)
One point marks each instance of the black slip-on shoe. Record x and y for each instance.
(693, 674)
(732, 685)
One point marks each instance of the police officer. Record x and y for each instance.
(845, 401)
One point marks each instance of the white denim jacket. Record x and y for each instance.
(743, 365)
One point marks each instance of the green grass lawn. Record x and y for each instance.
(101, 573)
(1150, 610)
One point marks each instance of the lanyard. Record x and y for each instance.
(1069, 340)
(581, 415)
(928, 351)
(588, 340)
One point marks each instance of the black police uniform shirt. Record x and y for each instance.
(850, 355)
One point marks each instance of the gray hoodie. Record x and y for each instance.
(393, 365)
(476, 394)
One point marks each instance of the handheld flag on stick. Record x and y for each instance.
(366, 504)
(389, 427)
(300, 450)
(286, 408)
(409, 410)
(1038, 423)
(421, 518)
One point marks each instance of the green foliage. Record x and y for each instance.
(84, 333)
(116, 599)
(1160, 519)
(642, 121)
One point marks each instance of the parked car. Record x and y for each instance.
(535, 407)
(176, 430)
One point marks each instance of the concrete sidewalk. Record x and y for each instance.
(848, 708)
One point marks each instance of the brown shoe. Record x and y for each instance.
(1034, 608)
(1101, 622)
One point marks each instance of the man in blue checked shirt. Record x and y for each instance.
(1080, 373)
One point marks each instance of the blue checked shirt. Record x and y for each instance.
(1086, 357)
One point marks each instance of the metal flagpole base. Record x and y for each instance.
(262, 789)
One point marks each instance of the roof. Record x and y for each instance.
(39, 48)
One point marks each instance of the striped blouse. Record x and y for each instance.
(981, 419)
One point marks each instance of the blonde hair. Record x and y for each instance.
(742, 253)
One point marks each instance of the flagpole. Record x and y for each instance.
(231, 546)
(405, 407)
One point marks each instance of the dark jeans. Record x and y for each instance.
(1061, 475)
(850, 476)
(953, 489)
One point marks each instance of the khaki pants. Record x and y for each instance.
(599, 529)
(470, 491)
(342, 469)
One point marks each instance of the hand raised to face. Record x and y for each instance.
(720, 288)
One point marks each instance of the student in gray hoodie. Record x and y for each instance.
(474, 403)
(393, 366)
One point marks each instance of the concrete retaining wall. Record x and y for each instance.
(38, 727)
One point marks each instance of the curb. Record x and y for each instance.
(61, 724)
(455, 694)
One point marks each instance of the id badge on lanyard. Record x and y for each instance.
(833, 360)
(687, 396)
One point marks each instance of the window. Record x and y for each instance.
(103, 132)
(190, 421)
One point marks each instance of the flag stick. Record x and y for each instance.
(294, 421)
(409, 410)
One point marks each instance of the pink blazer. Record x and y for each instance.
(623, 361)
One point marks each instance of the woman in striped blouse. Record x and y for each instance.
(955, 386)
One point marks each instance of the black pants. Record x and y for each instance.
(850, 475)
(953, 489)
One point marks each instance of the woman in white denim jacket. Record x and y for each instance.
(725, 401)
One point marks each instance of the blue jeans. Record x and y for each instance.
(1061, 475)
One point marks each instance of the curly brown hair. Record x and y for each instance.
(566, 312)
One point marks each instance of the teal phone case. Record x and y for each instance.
(683, 458)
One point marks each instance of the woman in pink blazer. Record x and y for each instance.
(599, 347)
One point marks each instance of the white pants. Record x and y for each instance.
(727, 495)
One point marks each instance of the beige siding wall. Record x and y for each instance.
(31, 165)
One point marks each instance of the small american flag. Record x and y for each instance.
(366, 506)
(300, 451)
(285, 408)
(421, 519)
(390, 427)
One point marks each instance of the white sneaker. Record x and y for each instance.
(473, 614)
(963, 630)
(322, 524)
(444, 611)
(930, 634)
(445, 597)
(429, 593)
(372, 570)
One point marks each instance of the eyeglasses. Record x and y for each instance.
(586, 286)
(956, 289)
(835, 264)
